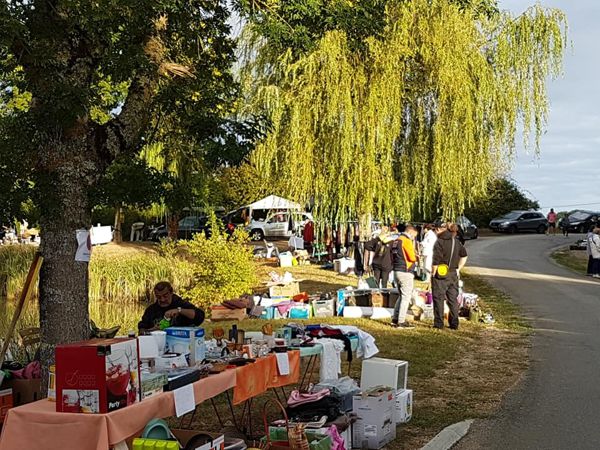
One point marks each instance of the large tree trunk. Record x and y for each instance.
(63, 299)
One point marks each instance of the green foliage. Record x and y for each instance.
(223, 267)
(130, 183)
(503, 195)
(167, 248)
(241, 185)
(416, 123)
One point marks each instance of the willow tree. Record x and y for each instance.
(416, 118)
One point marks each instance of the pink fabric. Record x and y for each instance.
(298, 398)
(29, 372)
(38, 425)
(337, 441)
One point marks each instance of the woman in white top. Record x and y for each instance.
(594, 246)
(427, 248)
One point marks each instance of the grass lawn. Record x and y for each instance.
(575, 260)
(455, 375)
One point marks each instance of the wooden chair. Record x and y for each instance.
(29, 339)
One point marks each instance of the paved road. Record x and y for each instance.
(557, 406)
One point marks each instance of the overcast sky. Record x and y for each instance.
(567, 173)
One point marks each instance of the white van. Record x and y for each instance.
(278, 224)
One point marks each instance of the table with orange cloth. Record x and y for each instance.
(38, 425)
(256, 378)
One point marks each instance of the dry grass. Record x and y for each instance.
(575, 260)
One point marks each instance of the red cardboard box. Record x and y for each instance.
(6, 402)
(97, 376)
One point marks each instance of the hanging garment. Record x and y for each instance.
(331, 361)
(359, 267)
(366, 342)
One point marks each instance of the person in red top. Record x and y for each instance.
(551, 221)
(404, 259)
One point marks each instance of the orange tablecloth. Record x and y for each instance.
(254, 379)
(38, 425)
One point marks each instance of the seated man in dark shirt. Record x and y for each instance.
(171, 307)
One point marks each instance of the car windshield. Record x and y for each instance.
(512, 215)
(579, 215)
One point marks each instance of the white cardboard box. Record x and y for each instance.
(343, 265)
(404, 405)
(375, 425)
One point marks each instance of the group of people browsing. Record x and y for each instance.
(442, 255)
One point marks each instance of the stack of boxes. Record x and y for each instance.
(384, 403)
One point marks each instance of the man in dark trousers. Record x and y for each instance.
(449, 257)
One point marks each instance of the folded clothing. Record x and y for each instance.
(299, 398)
(313, 411)
(235, 304)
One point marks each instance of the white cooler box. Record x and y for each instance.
(384, 372)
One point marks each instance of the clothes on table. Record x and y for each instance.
(366, 343)
(319, 332)
(331, 361)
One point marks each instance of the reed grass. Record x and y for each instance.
(126, 276)
(14, 265)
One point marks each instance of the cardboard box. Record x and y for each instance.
(375, 425)
(404, 405)
(24, 391)
(285, 290)
(6, 402)
(97, 376)
(221, 313)
(323, 308)
(153, 383)
(343, 265)
(188, 341)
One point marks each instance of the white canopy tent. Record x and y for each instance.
(274, 202)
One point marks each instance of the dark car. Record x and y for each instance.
(518, 221)
(581, 221)
(468, 228)
(188, 227)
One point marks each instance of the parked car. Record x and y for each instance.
(278, 224)
(580, 221)
(518, 221)
(188, 227)
(468, 228)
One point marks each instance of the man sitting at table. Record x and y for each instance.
(169, 306)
